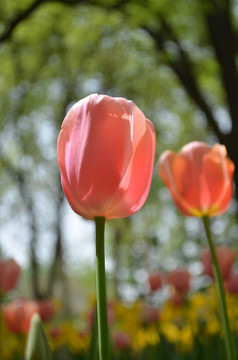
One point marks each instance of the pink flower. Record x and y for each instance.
(150, 315)
(231, 283)
(55, 332)
(180, 280)
(155, 281)
(177, 298)
(17, 314)
(199, 178)
(46, 310)
(10, 273)
(106, 153)
(225, 258)
(121, 340)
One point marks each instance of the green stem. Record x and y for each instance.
(221, 294)
(103, 337)
(1, 324)
(93, 350)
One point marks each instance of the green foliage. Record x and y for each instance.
(61, 53)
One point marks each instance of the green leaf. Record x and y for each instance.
(37, 347)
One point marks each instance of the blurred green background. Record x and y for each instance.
(177, 61)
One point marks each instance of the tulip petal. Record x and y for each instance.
(97, 153)
(174, 170)
(196, 192)
(136, 183)
(95, 148)
(218, 171)
(105, 167)
(199, 178)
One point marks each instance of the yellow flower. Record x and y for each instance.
(144, 337)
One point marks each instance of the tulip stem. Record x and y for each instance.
(221, 293)
(1, 324)
(103, 335)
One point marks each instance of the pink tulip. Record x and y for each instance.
(46, 310)
(121, 340)
(180, 280)
(55, 332)
(155, 281)
(106, 154)
(150, 315)
(177, 299)
(199, 178)
(225, 258)
(17, 314)
(9, 275)
(231, 283)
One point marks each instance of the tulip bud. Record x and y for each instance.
(37, 347)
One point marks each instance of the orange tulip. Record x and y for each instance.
(199, 178)
(225, 258)
(106, 153)
(9, 275)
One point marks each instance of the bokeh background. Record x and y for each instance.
(177, 62)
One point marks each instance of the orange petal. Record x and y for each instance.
(199, 178)
(176, 173)
(218, 172)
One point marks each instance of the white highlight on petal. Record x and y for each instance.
(131, 118)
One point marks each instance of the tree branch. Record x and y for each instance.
(12, 24)
(183, 68)
(223, 41)
(24, 14)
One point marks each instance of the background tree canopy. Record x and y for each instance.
(175, 60)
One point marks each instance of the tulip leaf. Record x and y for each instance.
(37, 347)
